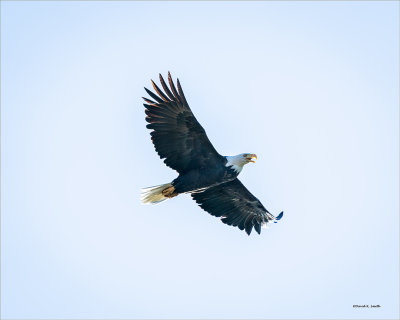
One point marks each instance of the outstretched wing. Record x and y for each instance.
(236, 205)
(177, 135)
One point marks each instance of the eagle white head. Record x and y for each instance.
(237, 162)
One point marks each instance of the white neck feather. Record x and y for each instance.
(236, 162)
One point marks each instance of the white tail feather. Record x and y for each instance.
(154, 194)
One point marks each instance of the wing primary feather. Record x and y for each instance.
(151, 94)
(171, 84)
(257, 226)
(160, 111)
(165, 87)
(148, 100)
(181, 93)
(160, 93)
(248, 228)
(248, 224)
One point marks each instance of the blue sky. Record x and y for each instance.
(310, 87)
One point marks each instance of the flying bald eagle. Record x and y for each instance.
(210, 178)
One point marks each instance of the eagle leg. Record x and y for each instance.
(169, 192)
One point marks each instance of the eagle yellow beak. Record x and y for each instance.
(251, 157)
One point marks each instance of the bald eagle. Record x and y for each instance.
(209, 177)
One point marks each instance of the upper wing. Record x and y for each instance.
(177, 135)
(236, 205)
